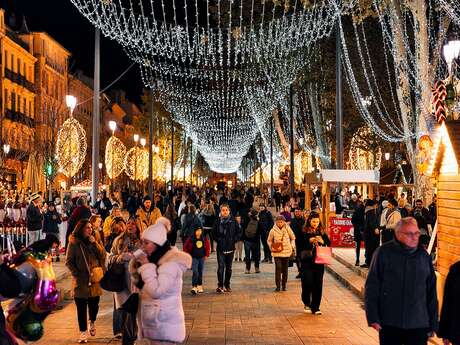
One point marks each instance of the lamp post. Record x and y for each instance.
(451, 52)
(100, 171)
(143, 141)
(136, 140)
(113, 127)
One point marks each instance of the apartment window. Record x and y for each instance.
(24, 106)
(12, 61)
(24, 70)
(30, 109)
(19, 66)
(19, 103)
(13, 101)
(6, 58)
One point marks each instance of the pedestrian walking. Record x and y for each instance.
(117, 227)
(251, 238)
(103, 205)
(51, 221)
(85, 261)
(371, 231)
(171, 215)
(297, 226)
(239, 243)
(311, 276)
(392, 217)
(358, 227)
(287, 213)
(158, 273)
(198, 246)
(266, 224)
(121, 252)
(147, 214)
(281, 240)
(226, 232)
(400, 291)
(114, 213)
(209, 218)
(34, 219)
(449, 324)
(81, 211)
(98, 233)
(191, 223)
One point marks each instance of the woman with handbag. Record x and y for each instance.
(311, 273)
(281, 241)
(86, 262)
(122, 251)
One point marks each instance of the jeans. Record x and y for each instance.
(117, 319)
(281, 271)
(397, 336)
(224, 268)
(239, 250)
(267, 251)
(197, 269)
(85, 305)
(252, 253)
(34, 236)
(371, 246)
(312, 284)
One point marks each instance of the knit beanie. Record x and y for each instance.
(155, 233)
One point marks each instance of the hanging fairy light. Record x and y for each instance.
(71, 143)
(137, 163)
(361, 158)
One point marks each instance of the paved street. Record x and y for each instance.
(251, 315)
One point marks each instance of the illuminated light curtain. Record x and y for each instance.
(361, 155)
(115, 153)
(71, 147)
(137, 163)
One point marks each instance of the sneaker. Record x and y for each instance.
(270, 261)
(227, 289)
(357, 263)
(92, 329)
(284, 288)
(247, 271)
(306, 309)
(83, 338)
(318, 312)
(364, 266)
(257, 270)
(118, 336)
(194, 290)
(277, 289)
(219, 290)
(199, 289)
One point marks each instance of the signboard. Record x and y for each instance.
(341, 232)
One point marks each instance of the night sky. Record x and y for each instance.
(63, 22)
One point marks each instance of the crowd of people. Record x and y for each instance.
(138, 249)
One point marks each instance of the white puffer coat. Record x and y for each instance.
(161, 316)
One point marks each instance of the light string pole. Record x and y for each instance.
(152, 111)
(136, 140)
(338, 101)
(96, 116)
(272, 191)
(291, 140)
(113, 127)
(172, 154)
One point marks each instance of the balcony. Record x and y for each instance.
(19, 79)
(17, 116)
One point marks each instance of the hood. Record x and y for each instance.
(183, 259)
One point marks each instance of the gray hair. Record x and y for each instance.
(405, 222)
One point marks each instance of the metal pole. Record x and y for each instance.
(291, 141)
(272, 188)
(261, 161)
(172, 154)
(338, 101)
(96, 116)
(191, 163)
(185, 157)
(152, 110)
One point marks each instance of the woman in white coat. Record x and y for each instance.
(158, 275)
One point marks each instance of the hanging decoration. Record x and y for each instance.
(115, 153)
(71, 147)
(137, 163)
(362, 155)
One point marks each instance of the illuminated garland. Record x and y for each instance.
(71, 147)
(115, 153)
(137, 163)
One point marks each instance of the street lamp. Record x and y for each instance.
(100, 170)
(112, 126)
(6, 149)
(71, 102)
(451, 52)
(136, 140)
(387, 156)
(143, 141)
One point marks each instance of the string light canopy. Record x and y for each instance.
(213, 61)
(71, 143)
(115, 153)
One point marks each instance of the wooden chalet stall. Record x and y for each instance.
(444, 171)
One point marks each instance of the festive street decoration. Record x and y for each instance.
(71, 147)
(137, 163)
(424, 154)
(115, 153)
(361, 155)
(439, 95)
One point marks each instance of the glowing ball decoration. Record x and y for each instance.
(115, 153)
(158, 167)
(137, 163)
(71, 147)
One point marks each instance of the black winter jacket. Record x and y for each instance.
(358, 222)
(371, 222)
(226, 233)
(266, 221)
(51, 221)
(297, 225)
(34, 218)
(401, 288)
(449, 326)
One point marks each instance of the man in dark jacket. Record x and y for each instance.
(251, 238)
(34, 219)
(266, 224)
(371, 230)
(297, 225)
(226, 232)
(358, 227)
(400, 299)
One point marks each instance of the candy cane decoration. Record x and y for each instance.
(439, 93)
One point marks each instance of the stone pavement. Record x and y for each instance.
(251, 315)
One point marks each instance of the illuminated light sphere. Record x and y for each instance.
(115, 153)
(361, 158)
(137, 163)
(71, 147)
(158, 167)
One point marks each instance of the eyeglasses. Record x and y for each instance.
(411, 234)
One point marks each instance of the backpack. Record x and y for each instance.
(251, 229)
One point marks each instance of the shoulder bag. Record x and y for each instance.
(95, 274)
(277, 247)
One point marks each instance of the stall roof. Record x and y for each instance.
(350, 176)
